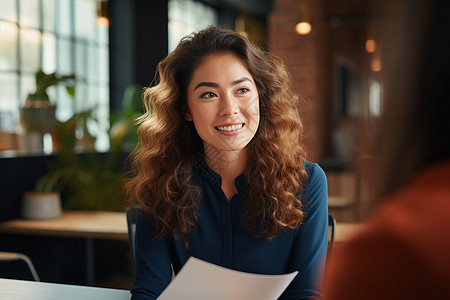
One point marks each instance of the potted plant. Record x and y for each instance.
(91, 180)
(84, 181)
(38, 113)
(44, 201)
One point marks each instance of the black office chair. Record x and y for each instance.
(131, 223)
(13, 256)
(331, 232)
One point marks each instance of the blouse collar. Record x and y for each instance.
(202, 169)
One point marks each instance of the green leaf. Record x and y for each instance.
(71, 91)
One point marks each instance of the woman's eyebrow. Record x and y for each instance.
(241, 80)
(216, 85)
(205, 83)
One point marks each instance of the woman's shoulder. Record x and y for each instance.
(316, 175)
(315, 191)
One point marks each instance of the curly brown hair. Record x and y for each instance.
(162, 182)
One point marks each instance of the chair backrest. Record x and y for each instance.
(12, 256)
(331, 232)
(131, 223)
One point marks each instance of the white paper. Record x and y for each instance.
(201, 280)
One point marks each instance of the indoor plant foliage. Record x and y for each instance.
(91, 180)
(123, 132)
(86, 181)
(38, 113)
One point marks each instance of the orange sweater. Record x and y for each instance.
(404, 251)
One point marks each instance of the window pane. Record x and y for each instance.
(103, 107)
(8, 102)
(97, 96)
(8, 46)
(81, 95)
(27, 86)
(103, 67)
(80, 60)
(93, 96)
(102, 35)
(7, 120)
(85, 16)
(102, 142)
(65, 103)
(92, 64)
(8, 92)
(48, 53)
(30, 50)
(8, 11)
(29, 13)
(48, 18)
(64, 57)
(63, 25)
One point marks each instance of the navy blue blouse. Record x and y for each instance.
(220, 239)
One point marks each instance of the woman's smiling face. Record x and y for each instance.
(223, 102)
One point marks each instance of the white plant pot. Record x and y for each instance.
(41, 206)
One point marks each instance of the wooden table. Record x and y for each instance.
(105, 225)
(82, 224)
(31, 290)
(346, 230)
(89, 225)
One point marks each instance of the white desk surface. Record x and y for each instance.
(31, 290)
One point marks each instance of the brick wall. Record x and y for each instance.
(304, 58)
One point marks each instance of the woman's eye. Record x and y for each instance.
(208, 95)
(242, 90)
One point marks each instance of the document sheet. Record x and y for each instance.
(201, 280)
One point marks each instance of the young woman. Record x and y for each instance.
(219, 171)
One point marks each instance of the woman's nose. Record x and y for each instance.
(229, 106)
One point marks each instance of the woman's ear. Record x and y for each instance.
(187, 116)
(187, 113)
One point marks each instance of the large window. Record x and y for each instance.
(55, 36)
(187, 16)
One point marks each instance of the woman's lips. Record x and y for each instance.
(230, 129)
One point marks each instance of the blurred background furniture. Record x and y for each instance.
(343, 195)
(88, 225)
(13, 256)
(331, 232)
(8, 141)
(131, 225)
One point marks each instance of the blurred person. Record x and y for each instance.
(219, 172)
(403, 252)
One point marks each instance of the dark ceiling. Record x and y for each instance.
(257, 8)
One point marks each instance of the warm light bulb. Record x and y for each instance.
(376, 65)
(303, 28)
(371, 45)
(102, 22)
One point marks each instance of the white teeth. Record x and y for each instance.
(229, 128)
